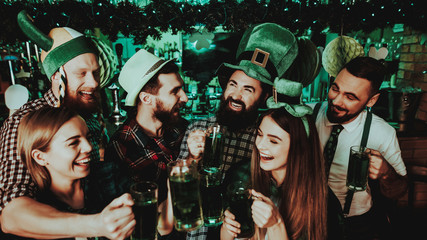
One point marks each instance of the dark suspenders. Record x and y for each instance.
(365, 136)
(316, 110)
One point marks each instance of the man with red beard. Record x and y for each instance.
(149, 139)
(70, 62)
(352, 94)
(265, 52)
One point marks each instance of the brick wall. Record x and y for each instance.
(414, 154)
(413, 67)
(422, 109)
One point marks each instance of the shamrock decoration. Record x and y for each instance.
(202, 39)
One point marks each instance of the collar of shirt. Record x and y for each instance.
(351, 126)
(50, 98)
(168, 137)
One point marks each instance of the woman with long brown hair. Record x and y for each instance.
(288, 178)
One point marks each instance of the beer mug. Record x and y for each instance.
(144, 195)
(358, 167)
(185, 193)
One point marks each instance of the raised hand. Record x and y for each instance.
(378, 167)
(264, 213)
(117, 221)
(196, 144)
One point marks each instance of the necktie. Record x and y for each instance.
(331, 146)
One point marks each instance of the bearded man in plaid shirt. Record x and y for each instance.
(150, 139)
(265, 52)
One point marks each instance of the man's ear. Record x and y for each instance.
(145, 98)
(39, 157)
(266, 96)
(373, 100)
(56, 77)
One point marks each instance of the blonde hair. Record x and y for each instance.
(35, 131)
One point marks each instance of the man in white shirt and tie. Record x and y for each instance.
(356, 89)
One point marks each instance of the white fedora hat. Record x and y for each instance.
(137, 71)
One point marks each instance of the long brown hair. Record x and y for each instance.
(35, 131)
(303, 200)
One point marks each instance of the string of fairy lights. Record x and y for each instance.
(143, 19)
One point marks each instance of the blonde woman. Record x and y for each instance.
(54, 146)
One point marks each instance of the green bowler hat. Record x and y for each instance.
(265, 52)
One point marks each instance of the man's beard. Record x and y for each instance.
(169, 118)
(83, 108)
(333, 118)
(237, 120)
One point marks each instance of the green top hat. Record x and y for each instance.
(265, 52)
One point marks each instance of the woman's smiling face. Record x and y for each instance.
(69, 151)
(273, 144)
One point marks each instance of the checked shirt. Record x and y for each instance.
(238, 147)
(15, 180)
(142, 157)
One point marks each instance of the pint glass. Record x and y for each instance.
(212, 197)
(144, 195)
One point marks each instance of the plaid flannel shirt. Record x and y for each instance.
(141, 157)
(237, 147)
(15, 180)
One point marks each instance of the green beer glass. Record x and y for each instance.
(145, 196)
(358, 167)
(211, 176)
(185, 193)
(240, 203)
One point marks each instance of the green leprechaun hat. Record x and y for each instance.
(63, 44)
(59, 47)
(265, 52)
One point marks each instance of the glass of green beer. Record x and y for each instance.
(211, 176)
(145, 196)
(240, 203)
(185, 193)
(212, 197)
(214, 146)
(358, 167)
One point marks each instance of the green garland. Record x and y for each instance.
(163, 15)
